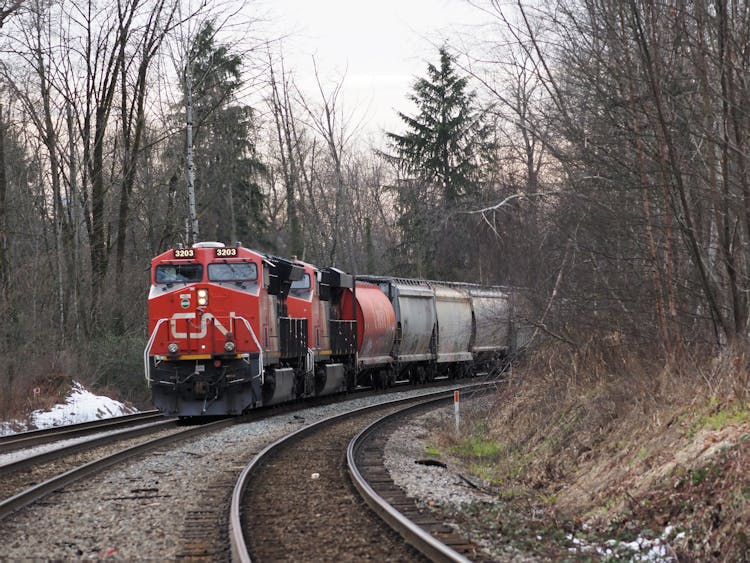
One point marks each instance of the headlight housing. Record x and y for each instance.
(202, 297)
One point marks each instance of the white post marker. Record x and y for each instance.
(456, 400)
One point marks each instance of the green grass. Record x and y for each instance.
(432, 450)
(478, 447)
(726, 417)
(484, 472)
(737, 413)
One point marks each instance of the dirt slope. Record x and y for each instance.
(596, 457)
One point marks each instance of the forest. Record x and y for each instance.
(593, 153)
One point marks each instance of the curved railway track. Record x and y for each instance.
(431, 537)
(294, 501)
(175, 503)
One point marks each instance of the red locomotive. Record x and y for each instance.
(231, 329)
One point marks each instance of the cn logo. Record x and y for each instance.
(205, 318)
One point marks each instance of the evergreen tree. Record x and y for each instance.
(447, 140)
(440, 156)
(227, 164)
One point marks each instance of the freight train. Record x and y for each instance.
(231, 329)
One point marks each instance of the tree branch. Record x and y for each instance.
(519, 195)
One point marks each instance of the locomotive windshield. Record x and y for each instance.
(301, 287)
(179, 273)
(232, 271)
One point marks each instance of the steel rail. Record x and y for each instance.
(46, 435)
(236, 536)
(94, 442)
(412, 533)
(41, 490)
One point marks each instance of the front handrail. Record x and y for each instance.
(146, 363)
(309, 360)
(261, 371)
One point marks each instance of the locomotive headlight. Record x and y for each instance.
(229, 346)
(202, 297)
(173, 348)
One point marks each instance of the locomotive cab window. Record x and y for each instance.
(179, 273)
(232, 272)
(301, 287)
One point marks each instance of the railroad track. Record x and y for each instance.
(172, 503)
(23, 488)
(30, 478)
(295, 501)
(34, 438)
(419, 528)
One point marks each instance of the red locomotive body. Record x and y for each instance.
(304, 302)
(231, 329)
(212, 326)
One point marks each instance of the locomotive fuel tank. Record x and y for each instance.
(453, 309)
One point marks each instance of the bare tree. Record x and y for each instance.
(8, 8)
(147, 43)
(288, 149)
(659, 168)
(327, 120)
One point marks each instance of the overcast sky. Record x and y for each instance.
(379, 45)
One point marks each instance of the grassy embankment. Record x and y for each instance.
(598, 446)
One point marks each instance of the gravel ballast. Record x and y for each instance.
(136, 510)
(449, 492)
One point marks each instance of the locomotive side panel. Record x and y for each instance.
(304, 302)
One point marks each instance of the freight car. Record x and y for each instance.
(231, 329)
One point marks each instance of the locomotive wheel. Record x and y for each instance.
(381, 380)
(269, 388)
(351, 378)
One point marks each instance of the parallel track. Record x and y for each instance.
(47, 435)
(94, 442)
(41, 490)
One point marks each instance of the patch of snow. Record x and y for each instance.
(641, 549)
(80, 406)
(8, 427)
